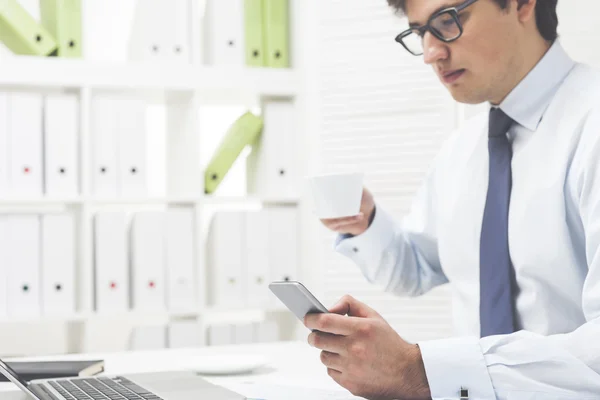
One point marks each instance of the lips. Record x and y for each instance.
(452, 76)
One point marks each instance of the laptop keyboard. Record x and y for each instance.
(101, 389)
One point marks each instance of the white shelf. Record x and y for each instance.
(41, 72)
(211, 315)
(210, 200)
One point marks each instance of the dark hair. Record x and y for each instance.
(545, 15)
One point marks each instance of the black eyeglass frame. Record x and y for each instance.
(452, 11)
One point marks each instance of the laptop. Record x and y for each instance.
(180, 385)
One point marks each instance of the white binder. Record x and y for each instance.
(104, 146)
(23, 246)
(4, 150)
(266, 332)
(283, 248)
(111, 262)
(271, 165)
(220, 335)
(61, 124)
(226, 260)
(179, 246)
(184, 334)
(148, 261)
(25, 138)
(4, 267)
(243, 333)
(131, 138)
(257, 258)
(176, 17)
(224, 35)
(148, 337)
(58, 264)
(148, 40)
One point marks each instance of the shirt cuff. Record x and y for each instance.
(369, 246)
(454, 364)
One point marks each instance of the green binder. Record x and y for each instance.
(21, 33)
(276, 22)
(242, 133)
(253, 26)
(62, 18)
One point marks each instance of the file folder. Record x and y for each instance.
(131, 139)
(62, 18)
(25, 137)
(4, 270)
(184, 334)
(148, 40)
(111, 270)
(58, 264)
(4, 150)
(104, 146)
(224, 36)
(226, 260)
(24, 298)
(266, 332)
(243, 333)
(257, 258)
(253, 28)
(148, 261)
(276, 20)
(284, 248)
(271, 165)
(242, 133)
(21, 33)
(177, 25)
(179, 246)
(220, 335)
(148, 337)
(61, 124)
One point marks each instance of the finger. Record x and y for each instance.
(328, 342)
(332, 360)
(343, 221)
(330, 323)
(348, 305)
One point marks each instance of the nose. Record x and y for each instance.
(434, 49)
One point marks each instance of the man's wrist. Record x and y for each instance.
(416, 377)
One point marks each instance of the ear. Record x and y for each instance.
(526, 9)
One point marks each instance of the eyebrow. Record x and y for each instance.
(443, 7)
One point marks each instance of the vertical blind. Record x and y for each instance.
(385, 113)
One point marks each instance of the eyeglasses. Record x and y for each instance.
(444, 25)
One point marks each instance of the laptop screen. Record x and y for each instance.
(12, 376)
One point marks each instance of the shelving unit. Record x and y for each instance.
(182, 89)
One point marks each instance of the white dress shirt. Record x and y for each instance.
(554, 240)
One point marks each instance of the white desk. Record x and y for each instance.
(293, 363)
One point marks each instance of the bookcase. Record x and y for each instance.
(178, 91)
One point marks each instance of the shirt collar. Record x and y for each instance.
(528, 101)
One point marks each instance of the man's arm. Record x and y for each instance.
(524, 364)
(402, 258)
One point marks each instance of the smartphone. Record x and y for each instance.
(297, 298)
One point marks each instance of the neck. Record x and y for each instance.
(527, 58)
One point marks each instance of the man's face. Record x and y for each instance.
(476, 67)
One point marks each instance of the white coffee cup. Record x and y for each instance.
(337, 195)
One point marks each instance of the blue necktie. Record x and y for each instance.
(496, 297)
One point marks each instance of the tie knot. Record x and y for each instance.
(499, 123)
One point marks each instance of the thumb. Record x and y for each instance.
(348, 305)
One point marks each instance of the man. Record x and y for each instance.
(509, 215)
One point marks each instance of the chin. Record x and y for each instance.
(466, 97)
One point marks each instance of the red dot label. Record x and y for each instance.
(151, 285)
(26, 170)
(113, 285)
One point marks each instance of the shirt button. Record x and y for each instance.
(355, 249)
